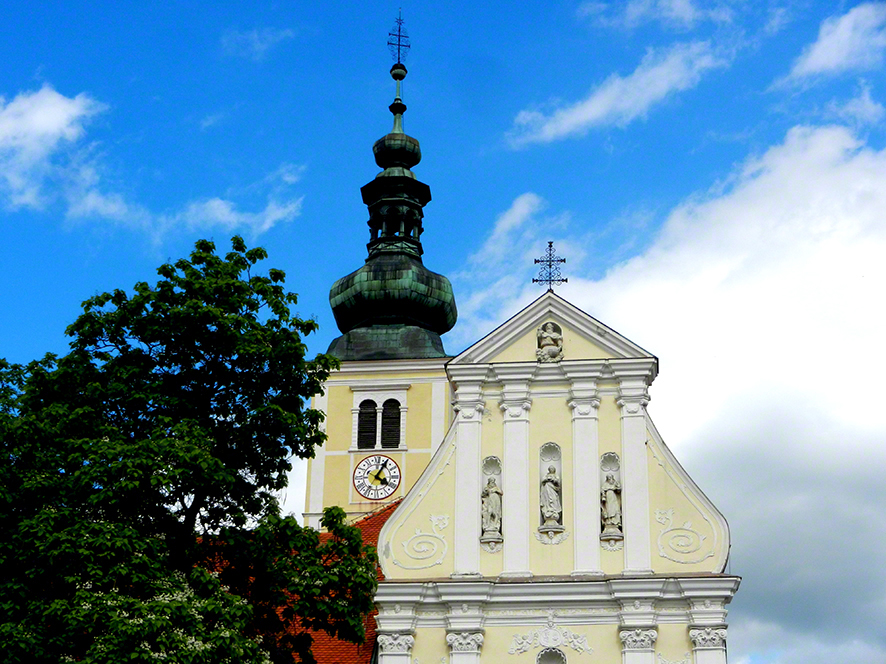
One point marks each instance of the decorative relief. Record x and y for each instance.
(491, 506)
(708, 637)
(550, 343)
(612, 545)
(515, 410)
(687, 659)
(550, 636)
(429, 548)
(663, 514)
(638, 639)
(551, 535)
(584, 407)
(401, 643)
(465, 641)
(681, 544)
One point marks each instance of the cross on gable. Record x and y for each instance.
(549, 273)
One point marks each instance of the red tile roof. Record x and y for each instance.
(334, 651)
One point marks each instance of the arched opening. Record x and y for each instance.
(390, 424)
(367, 423)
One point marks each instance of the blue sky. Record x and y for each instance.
(714, 172)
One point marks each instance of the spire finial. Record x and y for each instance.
(549, 273)
(398, 40)
(398, 43)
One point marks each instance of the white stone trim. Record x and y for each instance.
(390, 366)
(469, 406)
(314, 501)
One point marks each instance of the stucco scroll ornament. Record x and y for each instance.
(396, 642)
(428, 548)
(549, 636)
(465, 641)
(638, 639)
(550, 343)
(708, 637)
(681, 544)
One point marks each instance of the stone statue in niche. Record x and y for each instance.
(550, 343)
(610, 508)
(491, 511)
(551, 506)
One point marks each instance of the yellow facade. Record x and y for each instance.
(502, 411)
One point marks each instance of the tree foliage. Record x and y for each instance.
(137, 513)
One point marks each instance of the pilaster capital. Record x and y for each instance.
(469, 409)
(638, 639)
(708, 638)
(584, 407)
(515, 409)
(399, 642)
(465, 641)
(633, 396)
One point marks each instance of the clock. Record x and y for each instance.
(376, 477)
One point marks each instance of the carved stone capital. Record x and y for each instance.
(399, 643)
(638, 639)
(582, 408)
(708, 637)
(468, 410)
(515, 410)
(465, 641)
(631, 404)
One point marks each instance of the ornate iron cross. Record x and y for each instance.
(398, 40)
(549, 272)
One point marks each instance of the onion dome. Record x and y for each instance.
(393, 307)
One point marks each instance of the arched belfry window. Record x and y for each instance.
(390, 424)
(367, 424)
(379, 414)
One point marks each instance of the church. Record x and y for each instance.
(524, 506)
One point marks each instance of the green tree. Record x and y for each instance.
(137, 478)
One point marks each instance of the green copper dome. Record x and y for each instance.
(393, 307)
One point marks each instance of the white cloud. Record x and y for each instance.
(43, 160)
(682, 14)
(763, 299)
(860, 110)
(211, 120)
(620, 100)
(253, 44)
(218, 212)
(854, 41)
(37, 131)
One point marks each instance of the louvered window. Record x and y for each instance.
(367, 424)
(390, 424)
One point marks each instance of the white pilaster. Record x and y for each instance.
(318, 468)
(632, 400)
(395, 648)
(638, 645)
(709, 644)
(516, 510)
(584, 403)
(469, 407)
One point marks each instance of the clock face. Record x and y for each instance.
(376, 477)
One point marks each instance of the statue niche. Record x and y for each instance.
(550, 343)
(610, 501)
(550, 494)
(491, 506)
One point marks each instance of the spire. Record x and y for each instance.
(393, 307)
